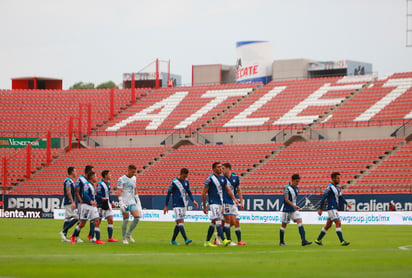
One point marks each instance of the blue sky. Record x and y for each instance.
(97, 41)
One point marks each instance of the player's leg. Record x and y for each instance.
(97, 222)
(136, 217)
(77, 230)
(226, 228)
(124, 227)
(210, 230)
(238, 232)
(91, 232)
(285, 221)
(302, 232)
(339, 232)
(69, 221)
(110, 229)
(322, 233)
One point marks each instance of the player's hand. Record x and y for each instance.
(93, 203)
(166, 208)
(73, 205)
(297, 207)
(320, 212)
(114, 205)
(205, 210)
(236, 202)
(349, 205)
(122, 206)
(196, 204)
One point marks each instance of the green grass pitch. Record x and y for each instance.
(32, 248)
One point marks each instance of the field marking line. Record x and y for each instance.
(406, 247)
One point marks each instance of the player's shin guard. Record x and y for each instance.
(181, 227)
(322, 234)
(219, 229)
(124, 227)
(133, 225)
(97, 233)
(175, 232)
(301, 231)
(238, 234)
(210, 232)
(226, 229)
(282, 234)
(76, 231)
(91, 232)
(339, 233)
(110, 230)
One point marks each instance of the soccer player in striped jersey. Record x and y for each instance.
(214, 186)
(88, 209)
(332, 194)
(230, 210)
(104, 204)
(81, 181)
(290, 211)
(129, 202)
(179, 187)
(70, 216)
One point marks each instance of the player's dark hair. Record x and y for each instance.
(88, 168)
(295, 177)
(132, 167)
(227, 165)
(184, 171)
(90, 175)
(214, 164)
(334, 175)
(70, 170)
(105, 173)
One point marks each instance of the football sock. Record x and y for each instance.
(110, 230)
(175, 233)
(97, 233)
(220, 230)
(91, 232)
(226, 228)
(210, 232)
(282, 234)
(301, 231)
(182, 230)
(76, 231)
(124, 227)
(322, 234)
(340, 235)
(238, 234)
(133, 225)
(66, 226)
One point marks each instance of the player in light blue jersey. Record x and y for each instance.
(332, 194)
(70, 216)
(230, 210)
(290, 211)
(129, 202)
(104, 204)
(88, 209)
(179, 187)
(81, 181)
(214, 186)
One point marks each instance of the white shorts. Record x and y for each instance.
(333, 214)
(229, 209)
(70, 213)
(88, 212)
(105, 213)
(215, 212)
(288, 216)
(180, 213)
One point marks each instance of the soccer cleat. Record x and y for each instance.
(112, 240)
(344, 243)
(72, 240)
(318, 242)
(129, 238)
(232, 244)
(188, 241)
(125, 241)
(305, 242)
(99, 241)
(241, 243)
(226, 242)
(64, 238)
(79, 240)
(174, 242)
(89, 237)
(209, 244)
(282, 244)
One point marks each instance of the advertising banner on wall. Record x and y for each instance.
(19, 143)
(254, 61)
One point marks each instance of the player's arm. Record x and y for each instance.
(345, 202)
(239, 193)
(205, 190)
(189, 193)
(230, 193)
(289, 202)
(322, 201)
(69, 195)
(166, 208)
(122, 205)
(77, 193)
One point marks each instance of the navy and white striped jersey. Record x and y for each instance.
(332, 194)
(233, 182)
(68, 183)
(81, 181)
(88, 193)
(292, 193)
(102, 191)
(215, 185)
(179, 189)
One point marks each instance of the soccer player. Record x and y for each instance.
(88, 209)
(214, 186)
(230, 210)
(332, 194)
(70, 216)
(179, 187)
(290, 211)
(129, 202)
(104, 203)
(81, 181)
